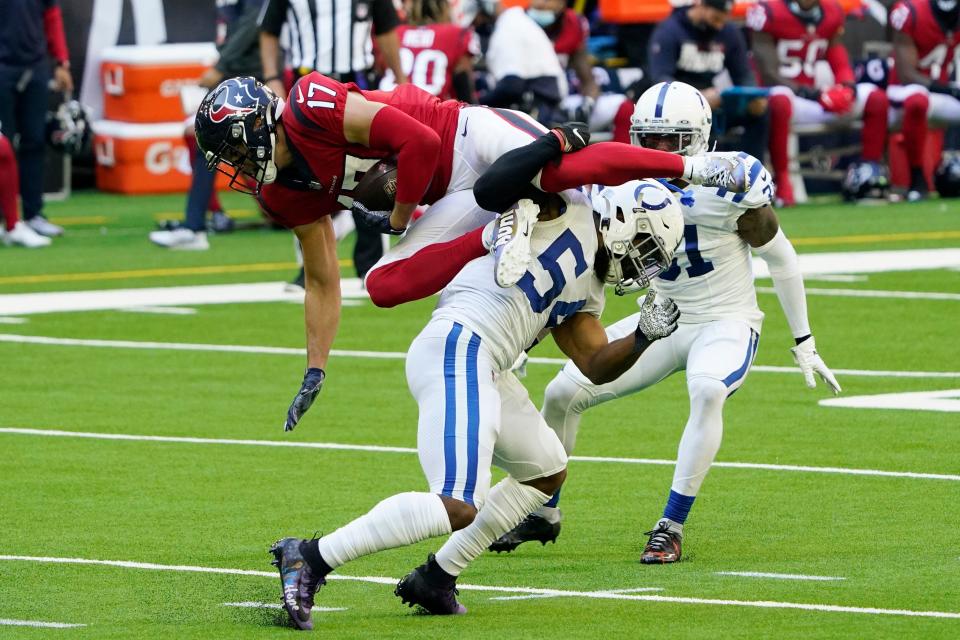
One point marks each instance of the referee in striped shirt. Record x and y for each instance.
(334, 37)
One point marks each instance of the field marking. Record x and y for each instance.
(57, 433)
(778, 576)
(599, 595)
(838, 278)
(13, 320)
(272, 605)
(97, 276)
(945, 401)
(874, 293)
(9, 622)
(163, 311)
(875, 237)
(386, 355)
(69, 221)
(544, 596)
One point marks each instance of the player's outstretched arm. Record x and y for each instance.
(583, 339)
(761, 230)
(321, 308)
(416, 146)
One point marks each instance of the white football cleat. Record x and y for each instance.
(511, 245)
(181, 238)
(44, 227)
(23, 235)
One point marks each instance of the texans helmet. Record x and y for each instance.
(236, 129)
(68, 128)
(866, 180)
(947, 177)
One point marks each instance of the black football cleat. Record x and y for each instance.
(531, 528)
(663, 547)
(432, 588)
(299, 583)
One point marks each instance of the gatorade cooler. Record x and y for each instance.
(142, 158)
(142, 83)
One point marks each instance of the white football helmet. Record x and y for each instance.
(641, 226)
(673, 108)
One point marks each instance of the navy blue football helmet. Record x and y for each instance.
(866, 180)
(236, 128)
(947, 177)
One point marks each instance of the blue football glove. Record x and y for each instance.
(312, 381)
(375, 220)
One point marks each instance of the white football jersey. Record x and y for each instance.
(559, 282)
(711, 277)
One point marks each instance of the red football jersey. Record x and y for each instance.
(572, 34)
(938, 52)
(328, 167)
(430, 53)
(799, 45)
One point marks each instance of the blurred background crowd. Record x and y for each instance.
(857, 97)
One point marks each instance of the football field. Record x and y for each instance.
(144, 470)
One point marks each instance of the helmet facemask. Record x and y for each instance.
(249, 166)
(688, 142)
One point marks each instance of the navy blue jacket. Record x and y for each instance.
(238, 37)
(680, 51)
(23, 40)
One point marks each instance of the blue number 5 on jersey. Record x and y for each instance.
(549, 260)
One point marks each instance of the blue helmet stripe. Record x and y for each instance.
(658, 113)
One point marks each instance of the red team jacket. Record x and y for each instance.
(326, 166)
(572, 34)
(799, 45)
(430, 53)
(937, 51)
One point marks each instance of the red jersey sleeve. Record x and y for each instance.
(759, 18)
(903, 18)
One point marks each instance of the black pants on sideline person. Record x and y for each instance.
(23, 116)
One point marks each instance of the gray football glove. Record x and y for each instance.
(312, 381)
(806, 356)
(657, 320)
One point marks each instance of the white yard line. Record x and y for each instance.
(272, 605)
(779, 576)
(599, 595)
(58, 433)
(542, 596)
(163, 311)
(12, 320)
(8, 622)
(383, 355)
(873, 293)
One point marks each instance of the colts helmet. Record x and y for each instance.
(641, 226)
(947, 177)
(236, 129)
(672, 109)
(865, 180)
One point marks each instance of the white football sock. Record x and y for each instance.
(395, 522)
(506, 505)
(702, 435)
(550, 514)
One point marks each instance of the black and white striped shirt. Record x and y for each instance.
(329, 36)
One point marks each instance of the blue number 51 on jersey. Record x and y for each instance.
(549, 260)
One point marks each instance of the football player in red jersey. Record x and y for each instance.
(437, 56)
(789, 38)
(926, 45)
(304, 158)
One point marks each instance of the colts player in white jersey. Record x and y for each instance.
(711, 280)
(474, 412)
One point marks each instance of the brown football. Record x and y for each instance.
(378, 186)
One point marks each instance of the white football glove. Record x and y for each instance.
(716, 170)
(806, 356)
(657, 320)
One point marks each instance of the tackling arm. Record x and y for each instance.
(582, 338)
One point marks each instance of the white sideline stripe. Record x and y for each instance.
(168, 311)
(382, 449)
(12, 320)
(386, 355)
(778, 576)
(873, 293)
(838, 278)
(272, 605)
(600, 595)
(8, 622)
(542, 596)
